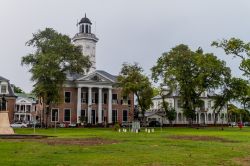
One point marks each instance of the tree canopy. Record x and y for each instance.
(18, 89)
(190, 73)
(237, 48)
(54, 56)
(132, 80)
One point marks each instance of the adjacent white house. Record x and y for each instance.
(204, 114)
(25, 108)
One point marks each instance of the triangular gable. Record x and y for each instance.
(23, 100)
(95, 77)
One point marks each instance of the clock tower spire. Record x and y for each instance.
(87, 40)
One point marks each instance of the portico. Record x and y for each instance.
(99, 97)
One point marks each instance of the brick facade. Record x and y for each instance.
(119, 107)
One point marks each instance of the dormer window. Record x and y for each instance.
(4, 88)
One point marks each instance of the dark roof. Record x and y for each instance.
(11, 93)
(85, 20)
(106, 74)
(3, 79)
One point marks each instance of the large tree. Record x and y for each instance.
(54, 57)
(190, 73)
(169, 111)
(132, 80)
(237, 48)
(233, 89)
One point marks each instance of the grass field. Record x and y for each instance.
(170, 146)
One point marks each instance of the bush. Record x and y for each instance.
(116, 126)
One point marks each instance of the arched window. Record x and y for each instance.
(82, 27)
(209, 117)
(179, 117)
(86, 29)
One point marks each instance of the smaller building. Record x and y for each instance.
(204, 115)
(7, 92)
(26, 108)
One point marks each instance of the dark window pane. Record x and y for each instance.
(125, 116)
(114, 116)
(54, 113)
(66, 115)
(105, 98)
(67, 97)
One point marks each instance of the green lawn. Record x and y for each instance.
(132, 149)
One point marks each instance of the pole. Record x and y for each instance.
(55, 120)
(34, 124)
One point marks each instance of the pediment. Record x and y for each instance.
(23, 100)
(95, 77)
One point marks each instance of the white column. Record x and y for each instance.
(196, 118)
(110, 106)
(89, 104)
(177, 118)
(78, 114)
(100, 106)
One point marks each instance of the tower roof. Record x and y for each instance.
(85, 20)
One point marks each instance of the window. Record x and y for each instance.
(54, 115)
(179, 103)
(67, 115)
(209, 104)
(84, 97)
(86, 29)
(28, 108)
(114, 98)
(114, 116)
(105, 96)
(94, 97)
(102, 115)
(125, 116)
(4, 89)
(125, 100)
(83, 113)
(22, 107)
(67, 97)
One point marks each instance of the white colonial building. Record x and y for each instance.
(25, 108)
(204, 114)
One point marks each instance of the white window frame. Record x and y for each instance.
(69, 115)
(6, 85)
(57, 114)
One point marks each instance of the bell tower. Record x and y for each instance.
(87, 40)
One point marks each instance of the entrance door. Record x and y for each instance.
(93, 115)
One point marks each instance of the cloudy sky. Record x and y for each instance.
(129, 30)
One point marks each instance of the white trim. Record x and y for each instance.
(57, 115)
(64, 115)
(6, 85)
(91, 74)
